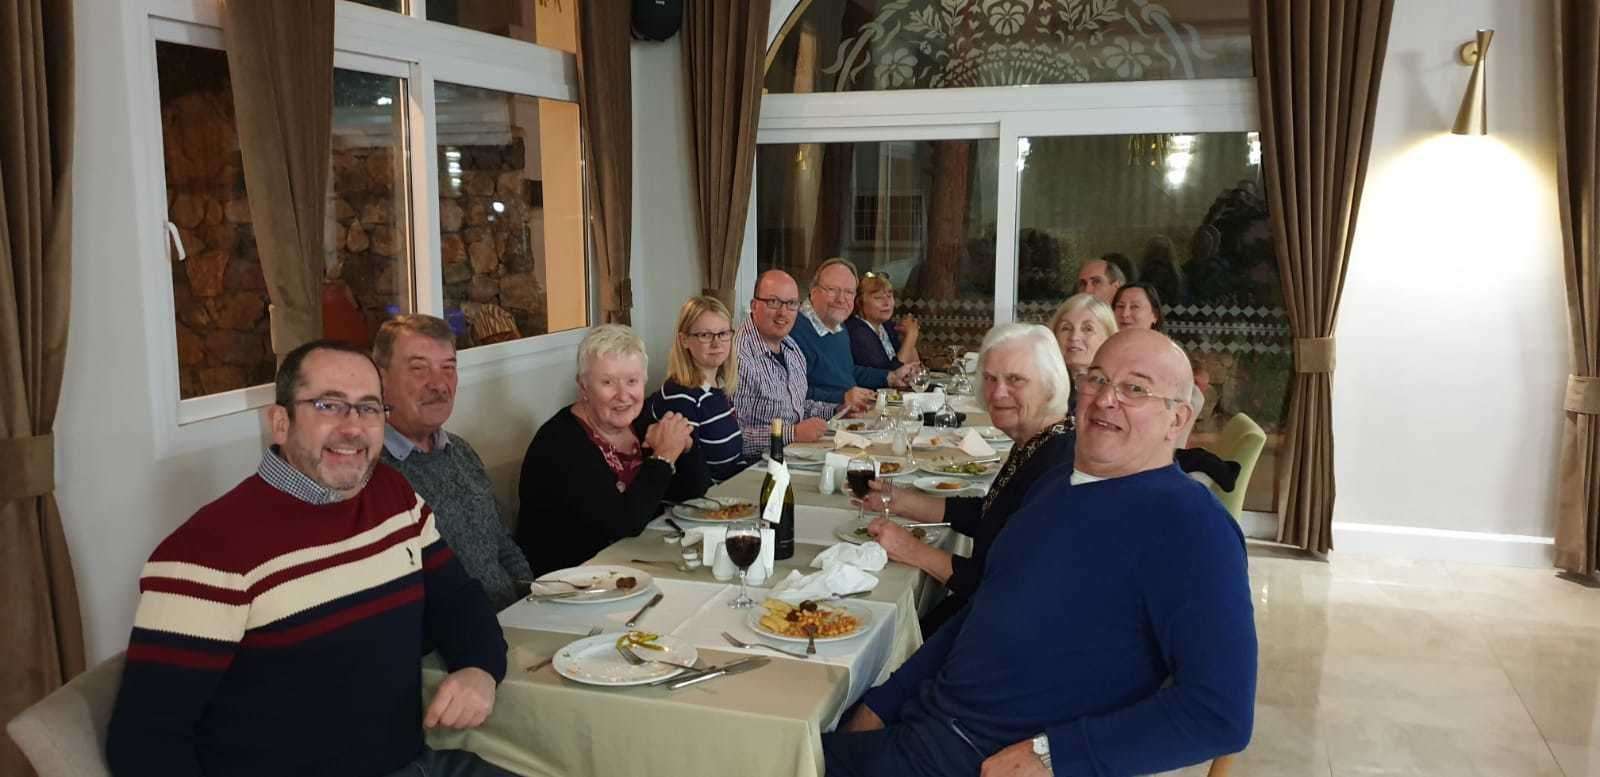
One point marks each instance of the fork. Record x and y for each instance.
(575, 586)
(811, 640)
(638, 660)
(739, 643)
(536, 667)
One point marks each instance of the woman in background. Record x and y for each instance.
(875, 339)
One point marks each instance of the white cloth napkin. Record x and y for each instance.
(843, 439)
(714, 553)
(866, 557)
(975, 446)
(837, 580)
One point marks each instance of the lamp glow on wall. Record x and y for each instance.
(1473, 118)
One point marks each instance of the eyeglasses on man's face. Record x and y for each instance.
(706, 338)
(773, 303)
(1128, 392)
(836, 292)
(328, 407)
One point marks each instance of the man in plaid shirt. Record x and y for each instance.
(772, 372)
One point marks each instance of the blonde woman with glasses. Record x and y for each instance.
(701, 375)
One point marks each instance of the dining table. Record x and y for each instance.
(765, 721)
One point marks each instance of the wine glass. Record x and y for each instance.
(946, 418)
(919, 378)
(909, 425)
(859, 474)
(744, 547)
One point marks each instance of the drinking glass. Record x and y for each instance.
(859, 474)
(909, 425)
(743, 545)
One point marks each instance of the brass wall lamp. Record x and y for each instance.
(1473, 118)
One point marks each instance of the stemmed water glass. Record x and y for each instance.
(909, 424)
(744, 547)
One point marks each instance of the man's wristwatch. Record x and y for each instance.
(1041, 748)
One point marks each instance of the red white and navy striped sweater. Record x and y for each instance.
(275, 636)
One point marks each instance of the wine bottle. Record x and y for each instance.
(783, 545)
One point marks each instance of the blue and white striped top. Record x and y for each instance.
(716, 426)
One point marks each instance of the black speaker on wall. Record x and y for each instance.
(656, 19)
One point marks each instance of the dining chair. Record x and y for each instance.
(1241, 441)
(64, 734)
(1221, 766)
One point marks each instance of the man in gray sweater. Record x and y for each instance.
(416, 355)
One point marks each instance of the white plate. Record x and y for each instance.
(849, 532)
(794, 452)
(931, 485)
(991, 434)
(905, 466)
(697, 515)
(863, 623)
(844, 425)
(933, 469)
(595, 661)
(602, 576)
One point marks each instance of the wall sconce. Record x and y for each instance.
(1473, 118)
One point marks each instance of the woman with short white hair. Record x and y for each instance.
(1026, 390)
(591, 475)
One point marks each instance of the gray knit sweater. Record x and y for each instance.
(455, 484)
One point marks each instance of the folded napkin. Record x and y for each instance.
(714, 553)
(975, 446)
(838, 580)
(866, 557)
(844, 439)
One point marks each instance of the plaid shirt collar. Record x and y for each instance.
(293, 482)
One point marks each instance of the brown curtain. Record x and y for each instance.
(280, 57)
(43, 645)
(1318, 64)
(724, 46)
(605, 91)
(1578, 168)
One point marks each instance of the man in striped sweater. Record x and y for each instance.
(280, 631)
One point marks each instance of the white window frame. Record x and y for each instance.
(366, 39)
(1006, 113)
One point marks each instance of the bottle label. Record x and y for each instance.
(772, 511)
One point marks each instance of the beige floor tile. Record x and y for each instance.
(1362, 743)
(1565, 705)
(1577, 761)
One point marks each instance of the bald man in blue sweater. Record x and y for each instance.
(1113, 632)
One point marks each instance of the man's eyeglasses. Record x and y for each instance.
(835, 291)
(707, 337)
(1127, 392)
(338, 408)
(773, 303)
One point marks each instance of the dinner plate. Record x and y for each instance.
(803, 452)
(931, 485)
(603, 576)
(595, 661)
(854, 532)
(901, 466)
(861, 426)
(696, 514)
(991, 434)
(863, 622)
(933, 468)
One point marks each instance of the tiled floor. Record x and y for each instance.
(1384, 667)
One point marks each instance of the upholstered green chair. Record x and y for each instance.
(1241, 440)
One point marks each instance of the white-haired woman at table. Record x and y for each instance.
(1081, 325)
(1025, 390)
(592, 476)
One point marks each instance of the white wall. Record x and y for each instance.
(1452, 337)
(124, 484)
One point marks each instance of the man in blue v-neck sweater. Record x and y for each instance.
(1113, 632)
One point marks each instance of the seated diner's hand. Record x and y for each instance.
(902, 502)
(1017, 760)
(901, 377)
(809, 430)
(909, 328)
(864, 720)
(464, 700)
(860, 400)
(669, 437)
(896, 541)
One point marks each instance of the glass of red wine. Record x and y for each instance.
(743, 545)
(858, 475)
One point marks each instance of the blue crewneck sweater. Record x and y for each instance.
(1092, 599)
(831, 370)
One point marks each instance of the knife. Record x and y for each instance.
(654, 600)
(734, 668)
(707, 670)
(675, 526)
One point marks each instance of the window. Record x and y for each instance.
(513, 268)
(219, 292)
(1185, 213)
(871, 45)
(920, 212)
(455, 189)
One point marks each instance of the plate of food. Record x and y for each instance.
(833, 621)
(965, 469)
(592, 584)
(855, 425)
(892, 467)
(856, 532)
(942, 486)
(804, 452)
(596, 660)
(708, 509)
